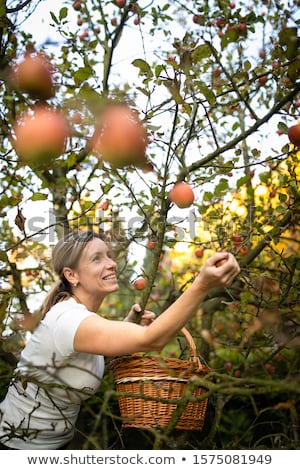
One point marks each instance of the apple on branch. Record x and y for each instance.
(199, 252)
(182, 195)
(140, 283)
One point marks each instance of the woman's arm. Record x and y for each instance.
(97, 335)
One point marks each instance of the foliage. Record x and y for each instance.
(217, 86)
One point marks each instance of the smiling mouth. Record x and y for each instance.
(109, 277)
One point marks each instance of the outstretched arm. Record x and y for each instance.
(97, 335)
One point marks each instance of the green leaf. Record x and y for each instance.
(54, 17)
(144, 67)
(231, 35)
(222, 186)
(144, 91)
(201, 52)
(174, 89)
(283, 127)
(255, 152)
(39, 196)
(264, 177)
(82, 75)
(247, 65)
(242, 181)
(92, 98)
(63, 13)
(208, 196)
(158, 70)
(282, 197)
(207, 92)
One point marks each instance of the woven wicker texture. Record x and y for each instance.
(151, 387)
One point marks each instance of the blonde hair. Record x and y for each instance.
(66, 253)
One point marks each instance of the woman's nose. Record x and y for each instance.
(112, 263)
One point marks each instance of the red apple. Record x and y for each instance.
(221, 22)
(140, 283)
(120, 138)
(294, 134)
(244, 250)
(120, 3)
(151, 244)
(263, 79)
(171, 58)
(237, 239)
(34, 75)
(104, 205)
(199, 252)
(182, 195)
(77, 5)
(242, 28)
(40, 136)
(262, 53)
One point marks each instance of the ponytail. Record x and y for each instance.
(60, 291)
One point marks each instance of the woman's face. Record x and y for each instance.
(97, 271)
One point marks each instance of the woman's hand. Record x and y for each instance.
(218, 271)
(146, 318)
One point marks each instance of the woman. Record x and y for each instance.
(63, 362)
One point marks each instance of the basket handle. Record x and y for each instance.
(193, 350)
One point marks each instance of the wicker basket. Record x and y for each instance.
(151, 388)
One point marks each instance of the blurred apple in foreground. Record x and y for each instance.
(120, 138)
(182, 195)
(34, 75)
(40, 136)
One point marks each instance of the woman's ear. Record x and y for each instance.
(71, 276)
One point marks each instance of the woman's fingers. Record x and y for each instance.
(230, 269)
(147, 318)
(136, 308)
(219, 270)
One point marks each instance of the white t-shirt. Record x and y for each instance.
(40, 411)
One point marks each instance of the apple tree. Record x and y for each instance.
(216, 86)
